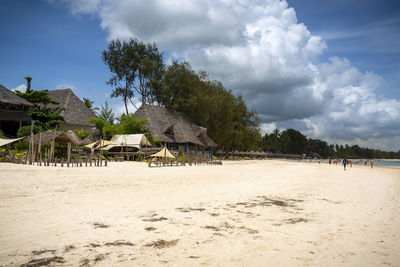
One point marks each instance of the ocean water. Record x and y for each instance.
(387, 163)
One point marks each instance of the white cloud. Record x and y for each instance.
(119, 107)
(258, 49)
(21, 88)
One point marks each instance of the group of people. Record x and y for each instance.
(345, 162)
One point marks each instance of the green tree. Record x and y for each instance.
(89, 104)
(43, 116)
(135, 66)
(229, 122)
(28, 83)
(106, 113)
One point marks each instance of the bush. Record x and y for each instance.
(1, 134)
(21, 146)
(26, 130)
(81, 134)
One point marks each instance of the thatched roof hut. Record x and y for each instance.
(76, 114)
(12, 111)
(59, 137)
(13, 107)
(170, 126)
(7, 97)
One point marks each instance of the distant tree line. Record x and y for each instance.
(294, 142)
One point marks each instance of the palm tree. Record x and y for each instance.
(89, 103)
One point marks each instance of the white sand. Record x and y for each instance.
(248, 213)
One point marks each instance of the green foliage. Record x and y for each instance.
(182, 159)
(21, 146)
(26, 130)
(107, 114)
(89, 104)
(229, 122)
(28, 83)
(294, 142)
(81, 134)
(1, 134)
(136, 66)
(99, 123)
(43, 116)
(128, 125)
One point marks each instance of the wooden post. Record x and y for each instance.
(165, 153)
(55, 162)
(69, 153)
(62, 162)
(85, 161)
(51, 151)
(105, 163)
(90, 159)
(30, 149)
(33, 150)
(40, 148)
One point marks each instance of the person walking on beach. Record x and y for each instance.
(372, 163)
(330, 161)
(351, 164)
(344, 163)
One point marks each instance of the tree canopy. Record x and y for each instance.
(229, 122)
(43, 116)
(136, 67)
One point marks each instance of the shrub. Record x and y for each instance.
(1, 134)
(26, 130)
(21, 146)
(81, 134)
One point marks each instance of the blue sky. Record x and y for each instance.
(327, 68)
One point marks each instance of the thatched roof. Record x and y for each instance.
(94, 137)
(8, 97)
(75, 111)
(173, 127)
(60, 137)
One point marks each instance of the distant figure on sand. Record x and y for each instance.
(330, 161)
(351, 163)
(344, 163)
(372, 163)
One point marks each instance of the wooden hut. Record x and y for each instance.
(76, 114)
(12, 111)
(175, 129)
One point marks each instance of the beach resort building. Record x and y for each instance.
(76, 114)
(12, 111)
(175, 129)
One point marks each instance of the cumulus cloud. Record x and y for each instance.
(21, 88)
(258, 49)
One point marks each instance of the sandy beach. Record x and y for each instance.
(246, 213)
